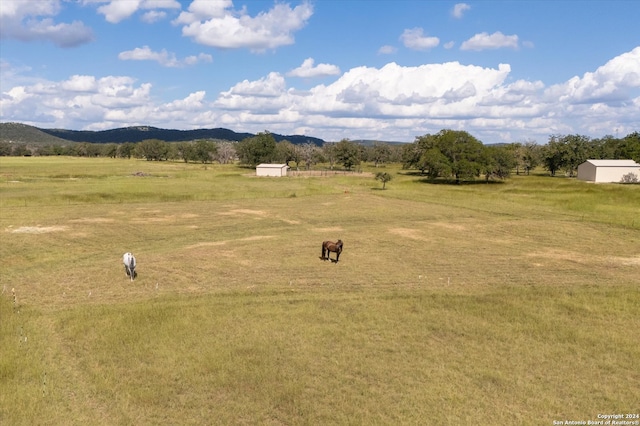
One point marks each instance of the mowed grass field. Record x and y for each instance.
(504, 303)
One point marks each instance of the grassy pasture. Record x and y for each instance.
(512, 303)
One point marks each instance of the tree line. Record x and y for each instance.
(459, 156)
(251, 151)
(448, 154)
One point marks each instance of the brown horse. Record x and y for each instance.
(330, 246)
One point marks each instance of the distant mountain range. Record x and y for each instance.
(22, 133)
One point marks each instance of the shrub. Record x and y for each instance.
(630, 178)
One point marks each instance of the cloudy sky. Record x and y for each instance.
(504, 71)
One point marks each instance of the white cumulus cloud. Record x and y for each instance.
(387, 50)
(80, 83)
(115, 11)
(459, 9)
(392, 102)
(269, 86)
(163, 57)
(308, 70)
(484, 41)
(153, 16)
(612, 82)
(217, 24)
(27, 21)
(415, 39)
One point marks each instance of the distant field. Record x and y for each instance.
(501, 303)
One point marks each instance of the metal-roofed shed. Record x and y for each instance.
(277, 170)
(607, 170)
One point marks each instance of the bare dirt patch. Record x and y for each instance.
(626, 261)
(37, 229)
(242, 211)
(166, 218)
(257, 237)
(408, 233)
(92, 220)
(586, 259)
(153, 219)
(189, 215)
(250, 212)
(290, 222)
(564, 255)
(452, 226)
(332, 229)
(206, 244)
(221, 243)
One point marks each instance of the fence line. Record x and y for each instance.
(296, 173)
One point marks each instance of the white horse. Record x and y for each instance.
(129, 262)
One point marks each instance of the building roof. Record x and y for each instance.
(613, 163)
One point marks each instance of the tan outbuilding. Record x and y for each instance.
(607, 170)
(277, 170)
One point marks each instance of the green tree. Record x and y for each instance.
(153, 149)
(578, 150)
(396, 153)
(566, 153)
(347, 153)
(50, 150)
(287, 152)
(257, 149)
(629, 148)
(383, 177)
(109, 150)
(21, 150)
(554, 155)
(329, 153)
(530, 156)
(605, 147)
(5, 149)
(411, 156)
(204, 151)
(431, 160)
(94, 150)
(186, 151)
(125, 150)
(498, 162)
(608, 147)
(379, 153)
(451, 152)
(448, 153)
(434, 163)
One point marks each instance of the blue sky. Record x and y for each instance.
(505, 71)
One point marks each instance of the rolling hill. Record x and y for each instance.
(22, 133)
(19, 133)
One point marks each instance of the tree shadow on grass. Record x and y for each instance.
(445, 181)
(453, 182)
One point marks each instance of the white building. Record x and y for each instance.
(277, 170)
(607, 170)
